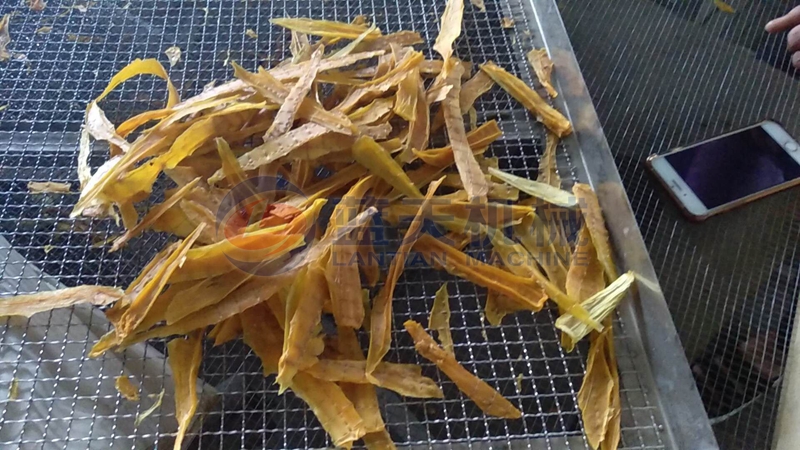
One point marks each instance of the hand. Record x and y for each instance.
(790, 21)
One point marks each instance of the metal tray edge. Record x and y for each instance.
(647, 317)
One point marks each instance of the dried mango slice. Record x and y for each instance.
(478, 139)
(144, 299)
(405, 379)
(374, 88)
(599, 306)
(585, 275)
(47, 187)
(303, 314)
(292, 71)
(488, 400)
(100, 128)
(462, 216)
(450, 29)
(372, 156)
(325, 28)
(126, 388)
(418, 127)
(537, 189)
(552, 119)
(440, 318)
(377, 110)
(341, 271)
(406, 103)
(335, 412)
(594, 397)
(262, 334)
(226, 331)
(593, 215)
(473, 88)
(353, 45)
(543, 67)
(544, 243)
(471, 174)
(548, 169)
(611, 441)
(285, 116)
(380, 337)
(153, 215)
(363, 396)
(525, 292)
(142, 67)
(185, 357)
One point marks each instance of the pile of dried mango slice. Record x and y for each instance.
(350, 115)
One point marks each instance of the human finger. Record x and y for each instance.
(783, 23)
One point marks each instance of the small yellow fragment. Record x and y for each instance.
(724, 7)
(251, 33)
(126, 388)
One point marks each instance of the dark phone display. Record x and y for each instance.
(733, 167)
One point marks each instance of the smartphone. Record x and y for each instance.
(727, 171)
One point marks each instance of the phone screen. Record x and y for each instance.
(735, 166)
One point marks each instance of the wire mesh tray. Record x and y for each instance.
(66, 400)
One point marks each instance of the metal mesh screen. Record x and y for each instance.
(67, 400)
(664, 74)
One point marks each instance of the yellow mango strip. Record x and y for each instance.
(299, 47)
(546, 192)
(542, 242)
(380, 337)
(378, 132)
(261, 333)
(488, 400)
(278, 148)
(378, 161)
(377, 110)
(303, 313)
(353, 45)
(524, 291)
(406, 103)
(129, 215)
(230, 167)
(294, 71)
(144, 299)
(194, 214)
(599, 306)
(153, 215)
(126, 388)
(471, 173)
(611, 441)
(185, 357)
(226, 331)
(375, 88)
(366, 261)
(405, 379)
(215, 259)
(585, 275)
(203, 294)
(549, 116)
(325, 28)
(100, 128)
(273, 90)
(521, 263)
(497, 191)
(478, 139)
(285, 116)
(548, 168)
(473, 88)
(363, 396)
(127, 127)
(153, 408)
(403, 38)
(440, 318)
(341, 270)
(327, 186)
(142, 67)
(543, 67)
(419, 126)
(335, 412)
(594, 397)
(593, 216)
(30, 304)
(450, 29)
(448, 213)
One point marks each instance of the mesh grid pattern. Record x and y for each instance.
(46, 91)
(664, 74)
